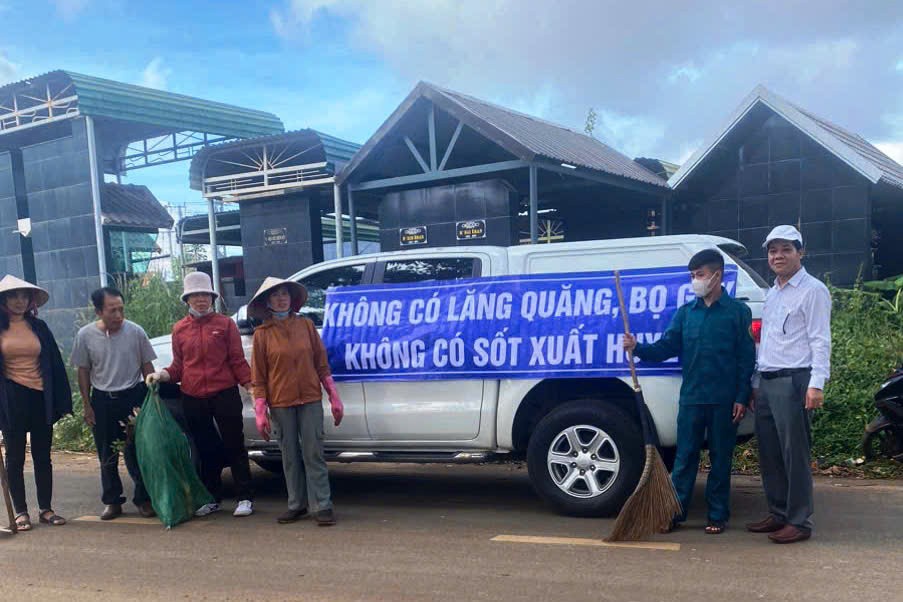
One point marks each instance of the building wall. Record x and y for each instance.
(440, 208)
(299, 215)
(778, 175)
(10, 245)
(58, 188)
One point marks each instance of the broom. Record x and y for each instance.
(653, 504)
(4, 485)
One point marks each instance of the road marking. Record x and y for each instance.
(133, 520)
(580, 541)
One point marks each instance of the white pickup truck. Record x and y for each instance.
(580, 436)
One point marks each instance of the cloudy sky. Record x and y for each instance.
(661, 75)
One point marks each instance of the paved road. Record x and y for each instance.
(426, 533)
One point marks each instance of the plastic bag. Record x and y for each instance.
(165, 460)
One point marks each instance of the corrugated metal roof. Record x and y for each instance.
(335, 150)
(551, 140)
(176, 112)
(132, 205)
(892, 172)
(526, 137)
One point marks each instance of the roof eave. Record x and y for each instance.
(437, 96)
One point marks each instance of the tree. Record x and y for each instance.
(590, 125)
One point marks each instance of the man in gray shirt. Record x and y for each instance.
(113, 355)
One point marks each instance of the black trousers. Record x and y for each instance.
(216, 426)
(27, 415)
(111, 412)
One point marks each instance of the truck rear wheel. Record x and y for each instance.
(585, 458)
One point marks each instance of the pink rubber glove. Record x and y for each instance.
(262, 418)
(335, 402)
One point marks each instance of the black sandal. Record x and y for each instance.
(54, 520)
(715, 527)
(23, 522)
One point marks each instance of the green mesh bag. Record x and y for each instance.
(165, 460)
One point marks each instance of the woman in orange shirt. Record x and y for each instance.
(288, 367)
(34, 394)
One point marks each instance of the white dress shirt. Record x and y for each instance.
(796, 328)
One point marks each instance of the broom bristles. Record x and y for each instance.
(652, 505)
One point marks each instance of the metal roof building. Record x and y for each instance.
(440, 138)
(772, 162)
(283, 185)
(61, 133)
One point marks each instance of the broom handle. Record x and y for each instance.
(4, 484)
(636, 381)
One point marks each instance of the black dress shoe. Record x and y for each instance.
(767, 525)
(290, 516)
(790, 534)
(325, 518)
(146, 510)
(111, 511)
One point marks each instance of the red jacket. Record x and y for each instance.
(207, 355)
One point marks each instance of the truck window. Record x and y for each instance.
(316, 285)
(440, 268)
(732, 252)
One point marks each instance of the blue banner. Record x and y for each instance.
(536, 326)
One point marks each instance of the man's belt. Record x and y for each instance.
(119, 394)
(783, 373)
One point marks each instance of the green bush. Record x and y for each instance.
(867, 338)
(153, 303)
(71, 433)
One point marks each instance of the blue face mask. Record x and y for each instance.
(280, 315)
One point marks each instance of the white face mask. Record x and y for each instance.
(703, 287)
(197, 314)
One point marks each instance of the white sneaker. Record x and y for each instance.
(207, 509)
(244, 508)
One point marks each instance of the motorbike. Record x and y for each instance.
(884, 435)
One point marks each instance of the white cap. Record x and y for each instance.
(784, 233)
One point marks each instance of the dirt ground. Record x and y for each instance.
(437, 532)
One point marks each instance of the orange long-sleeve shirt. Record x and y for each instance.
(288, 361)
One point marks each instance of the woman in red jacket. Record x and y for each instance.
(208, 361)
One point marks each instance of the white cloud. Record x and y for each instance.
(581, 54)
(294, 19)
(813, 62)
(893, 149)
(631, 134)
(688, 72)
(9, 71)
(687, 149)
(155, 75)
(537, 103)
(69, 9)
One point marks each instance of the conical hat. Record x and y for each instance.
(11, 283)
(257, 308)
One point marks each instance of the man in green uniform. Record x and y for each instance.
(713, 340)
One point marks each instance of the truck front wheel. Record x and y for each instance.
(585, 458)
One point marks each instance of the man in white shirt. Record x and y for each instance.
(113, 356)
(793, 366)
